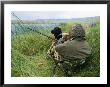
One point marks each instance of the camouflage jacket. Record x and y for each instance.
(73, 49)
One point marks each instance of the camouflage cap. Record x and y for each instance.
(77, 31)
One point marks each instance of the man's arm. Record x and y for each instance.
(59, 48)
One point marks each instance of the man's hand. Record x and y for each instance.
(65, 36)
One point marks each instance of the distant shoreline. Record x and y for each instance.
(64, 18)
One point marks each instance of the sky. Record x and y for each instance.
(33, 15)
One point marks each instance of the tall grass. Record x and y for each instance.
(28, 55)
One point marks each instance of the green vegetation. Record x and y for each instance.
(28, 55)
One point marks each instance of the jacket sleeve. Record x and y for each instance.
(60, 47)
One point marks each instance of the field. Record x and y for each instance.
(29, 58)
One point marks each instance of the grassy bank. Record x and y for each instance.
(29, 55)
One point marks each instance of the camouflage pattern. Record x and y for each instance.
(77, 31)
(74, 51)
(74, 48)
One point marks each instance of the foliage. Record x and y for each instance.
(28, 54)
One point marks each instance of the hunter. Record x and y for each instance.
(73, 51)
